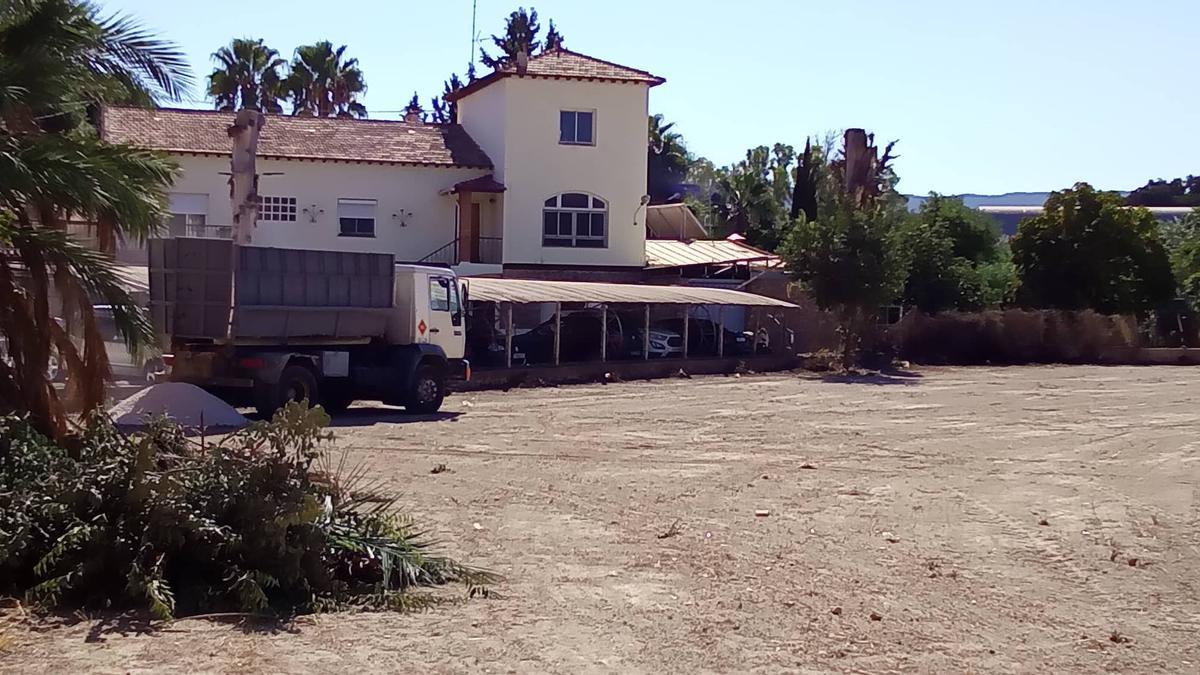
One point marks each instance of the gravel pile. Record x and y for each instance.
(187, 404)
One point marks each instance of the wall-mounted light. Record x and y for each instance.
(313, 212)
(402, 216)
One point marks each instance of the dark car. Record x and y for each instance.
(702, 337)
(580, 339)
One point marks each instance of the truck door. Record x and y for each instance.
(446, 319)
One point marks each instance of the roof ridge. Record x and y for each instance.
(564, 50)
(316, 118)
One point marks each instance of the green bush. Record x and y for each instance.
(261, 521)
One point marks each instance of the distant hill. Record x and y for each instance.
(1007, 199)
(975, 201)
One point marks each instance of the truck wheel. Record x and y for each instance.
(296, 383)
(426, 391)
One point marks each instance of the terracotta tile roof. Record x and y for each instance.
(286, 137)
(565, 64)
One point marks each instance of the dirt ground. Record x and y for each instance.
(1015, 519)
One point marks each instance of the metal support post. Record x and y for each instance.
(721, 331)
(557, 331)
(508, 334)
(603, 333)
(646, 336)
(686, 321)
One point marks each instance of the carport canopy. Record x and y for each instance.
(489, 289)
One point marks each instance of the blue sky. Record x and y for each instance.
(984, 96)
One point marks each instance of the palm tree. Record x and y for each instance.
(246, 76)
(667, 160)
(322, 84)
(61, 60)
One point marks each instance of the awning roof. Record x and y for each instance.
(135, 278)
(486, 183)
(519, 291)
(662, 253)
(673, 221)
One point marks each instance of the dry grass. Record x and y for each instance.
(1013, 336)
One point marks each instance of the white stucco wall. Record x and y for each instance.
(483, 114)
(536, 167)
(317, 186)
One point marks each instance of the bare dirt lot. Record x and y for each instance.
(965, 519)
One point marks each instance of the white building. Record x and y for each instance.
(543, 175)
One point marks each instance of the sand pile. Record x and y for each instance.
(187, 404)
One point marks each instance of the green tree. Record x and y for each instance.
(849, 258)
(445, 111)
(1177, 192)
(61, 60)
(247, 76)
(520, 34)
(998, 278)
(1087, 250)
(1181, 237)
(746, 196)
(667, 161)
(554, 39)
(414, 107)
(323, 84)
(948, 245)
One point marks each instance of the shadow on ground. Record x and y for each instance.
(106, 624)
(365, 417)
(883, 378)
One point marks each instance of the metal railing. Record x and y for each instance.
(199, 231)
(446, 255)
(491, 252)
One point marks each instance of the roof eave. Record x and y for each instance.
(348, 160)
(454, 97)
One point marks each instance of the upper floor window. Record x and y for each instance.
(575, 219)
(276, 209)
(576, 127)
(187, 215)
(356, 217)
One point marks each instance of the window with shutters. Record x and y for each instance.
(356, 217)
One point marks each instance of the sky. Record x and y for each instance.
(983, 96)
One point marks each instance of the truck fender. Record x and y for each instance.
(275, 362)
(406, 359)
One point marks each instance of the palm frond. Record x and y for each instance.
(124, 45)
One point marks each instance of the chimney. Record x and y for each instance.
(522, 61)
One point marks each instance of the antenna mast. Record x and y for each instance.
(474, 6)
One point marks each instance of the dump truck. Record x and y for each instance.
(265, 326)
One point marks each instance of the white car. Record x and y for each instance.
(122, 363)
(124, 366)
(664, 343)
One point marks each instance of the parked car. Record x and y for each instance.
(122, 363)
(580, 339)
(702, 337)
(663, 342)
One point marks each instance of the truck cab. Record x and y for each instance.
(432, 310)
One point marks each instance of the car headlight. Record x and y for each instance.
(657, 345)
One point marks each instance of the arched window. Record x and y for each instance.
(575, 219)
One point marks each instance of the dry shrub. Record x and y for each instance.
(1012, 337)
